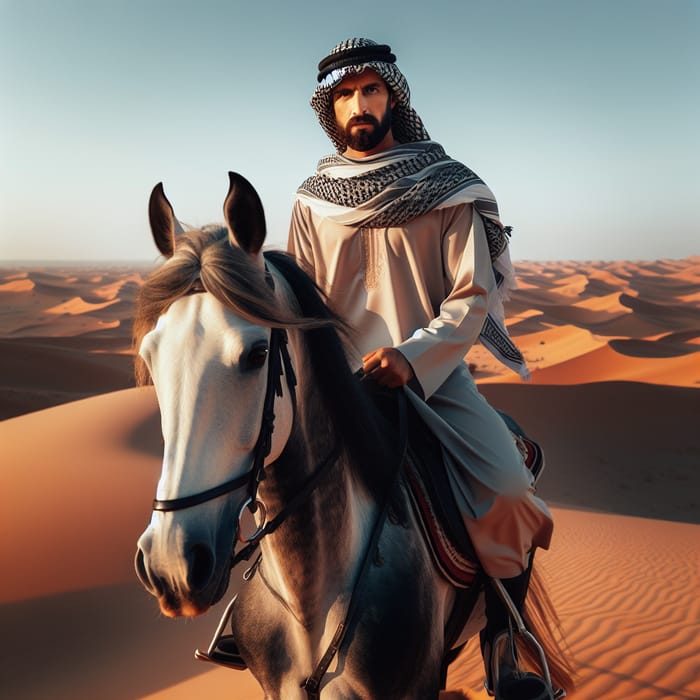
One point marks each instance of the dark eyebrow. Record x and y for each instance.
(375, 84)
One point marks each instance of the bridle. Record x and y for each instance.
(279, 364)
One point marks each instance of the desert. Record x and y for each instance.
(614, 399)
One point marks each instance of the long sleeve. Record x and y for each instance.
(299, 242)
(436, 349)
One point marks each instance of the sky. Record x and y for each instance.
(582, 117)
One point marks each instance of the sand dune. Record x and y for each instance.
(77, 306)
(18, 285)
(573, 322)
(615, 402)
(604, 321)
(50, 371)
(624, 586)
(605, 364)
(70, 475)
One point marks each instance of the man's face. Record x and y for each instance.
(362, 105)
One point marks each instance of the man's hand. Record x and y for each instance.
(388, 367)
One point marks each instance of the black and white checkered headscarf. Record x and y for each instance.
(351, 57)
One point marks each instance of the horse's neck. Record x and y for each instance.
(310, 562)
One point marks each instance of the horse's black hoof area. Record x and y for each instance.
(523, 686)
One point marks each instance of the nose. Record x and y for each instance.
(150, 582)
(358, 103)
(199, 565)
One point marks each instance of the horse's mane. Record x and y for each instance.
(357, 422)
(204, 260)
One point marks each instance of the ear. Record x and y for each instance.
(244, 215)
(164, 225)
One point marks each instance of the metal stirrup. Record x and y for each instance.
(522, 630)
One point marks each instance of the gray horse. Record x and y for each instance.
(261, 414)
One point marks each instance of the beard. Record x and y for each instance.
(367, 138)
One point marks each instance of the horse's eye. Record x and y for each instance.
(256, 357)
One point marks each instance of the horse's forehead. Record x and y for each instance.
(201, 316)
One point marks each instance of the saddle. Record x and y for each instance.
(425, 473)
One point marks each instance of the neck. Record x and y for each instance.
(308, 563)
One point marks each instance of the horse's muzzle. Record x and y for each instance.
(187, 588)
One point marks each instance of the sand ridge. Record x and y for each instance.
(600, 321)
(614, 400)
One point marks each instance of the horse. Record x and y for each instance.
(263, 417)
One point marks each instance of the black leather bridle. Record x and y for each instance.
(279, 363)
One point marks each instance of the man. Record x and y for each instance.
(408, 247)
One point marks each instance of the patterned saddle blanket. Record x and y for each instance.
(431, 496)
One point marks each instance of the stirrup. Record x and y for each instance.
(223, 649)
(514, 684)
(518, 685)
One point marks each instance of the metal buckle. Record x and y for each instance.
(258, 505)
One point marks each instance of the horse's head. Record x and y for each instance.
(201, 342)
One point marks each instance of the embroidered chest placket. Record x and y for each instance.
(373, 256)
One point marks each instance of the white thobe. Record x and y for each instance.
(422, 288)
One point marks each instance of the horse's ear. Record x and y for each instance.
(164, 225)
(244, 215)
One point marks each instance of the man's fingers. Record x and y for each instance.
(387, 366)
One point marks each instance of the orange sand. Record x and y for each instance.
(614, 401)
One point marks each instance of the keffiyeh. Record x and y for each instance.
(400, 184)
(351, 57)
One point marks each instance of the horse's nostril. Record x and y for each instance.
(201, 567)
(150, 581)
(140, 566)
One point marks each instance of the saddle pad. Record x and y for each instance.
(440, 522)
(458, 569)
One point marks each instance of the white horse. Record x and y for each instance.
(344, 601)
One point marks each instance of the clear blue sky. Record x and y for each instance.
(581, 116)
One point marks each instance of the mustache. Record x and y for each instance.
(362, 119)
